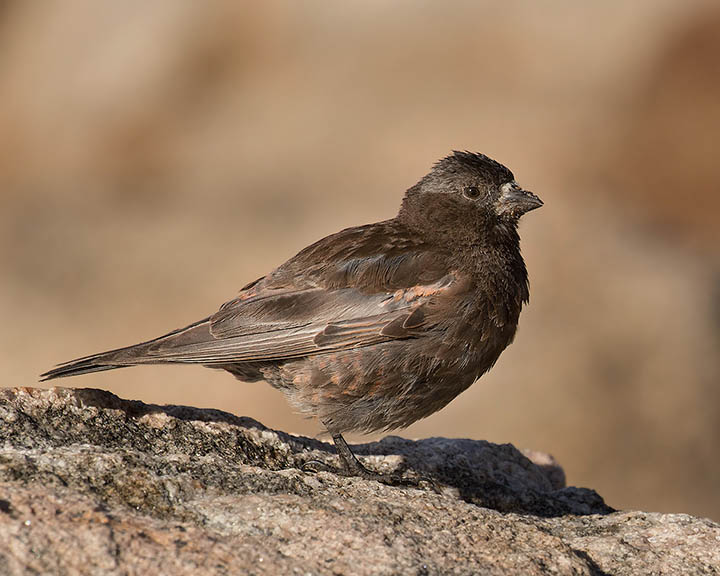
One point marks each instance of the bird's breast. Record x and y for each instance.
(479, 327)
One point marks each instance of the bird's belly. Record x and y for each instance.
(387, 386)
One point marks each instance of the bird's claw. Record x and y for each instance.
(315, 466)
(389, 479)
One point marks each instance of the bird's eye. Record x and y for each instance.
(471, 192)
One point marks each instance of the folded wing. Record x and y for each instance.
(349, 290)
(273, 327)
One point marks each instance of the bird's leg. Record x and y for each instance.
(352, 466)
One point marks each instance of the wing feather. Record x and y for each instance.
(359, 287)
(283, 343)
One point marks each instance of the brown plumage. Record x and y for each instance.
(376, 326)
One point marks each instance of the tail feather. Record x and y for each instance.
(75, 369)
(128, 356)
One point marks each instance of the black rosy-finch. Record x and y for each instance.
(377, 326)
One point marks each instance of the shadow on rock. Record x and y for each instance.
(212, 445)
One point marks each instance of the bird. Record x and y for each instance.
(376, 326)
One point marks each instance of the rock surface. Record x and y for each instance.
(92, 484)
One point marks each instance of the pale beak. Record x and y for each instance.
(515, 201)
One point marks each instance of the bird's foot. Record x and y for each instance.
(355, 469)
(351, 467)
(315, 466)
(391, 479)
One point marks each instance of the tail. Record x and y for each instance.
(130, 355)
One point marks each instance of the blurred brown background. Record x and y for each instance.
(157, 156)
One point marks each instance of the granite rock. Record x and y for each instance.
(90, 484)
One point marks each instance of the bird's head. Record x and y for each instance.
(467, 197)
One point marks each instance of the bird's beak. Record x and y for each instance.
(515, 201)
